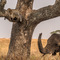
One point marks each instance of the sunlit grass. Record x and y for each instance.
(35, 54)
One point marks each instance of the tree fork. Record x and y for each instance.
(20, 43)
(24, 21)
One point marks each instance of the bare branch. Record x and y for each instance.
(2, 4)
(45, 13)
(12, 15)
(25, 7)
(22, 3)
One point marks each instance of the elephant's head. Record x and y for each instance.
(53, 44)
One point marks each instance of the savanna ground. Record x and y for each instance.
(35, 54)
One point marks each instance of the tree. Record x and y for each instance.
(25, 19)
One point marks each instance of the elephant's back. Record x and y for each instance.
(54, 38)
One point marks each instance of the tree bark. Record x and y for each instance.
(19, 48)
(24, 21)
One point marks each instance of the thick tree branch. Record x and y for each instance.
(22, 3)
(13, 15)
(24, 11)
(25, 7)
(45, 13)
(2, 4)
(10, 14)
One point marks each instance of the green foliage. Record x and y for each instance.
(57, 31)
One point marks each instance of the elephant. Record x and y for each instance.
(53, 44)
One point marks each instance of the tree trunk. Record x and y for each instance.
(19, 48)
(23, 18)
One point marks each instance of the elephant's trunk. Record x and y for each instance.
(41, 49)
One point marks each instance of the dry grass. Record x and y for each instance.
(4, 43)
(35, 54)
